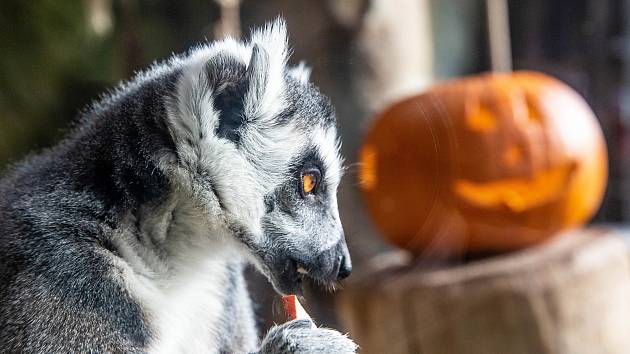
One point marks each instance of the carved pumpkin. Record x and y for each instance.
(489, 163)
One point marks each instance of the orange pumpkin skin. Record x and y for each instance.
(494, 162)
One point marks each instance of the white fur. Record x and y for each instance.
(301, 72)
(326, 141)
(273, 40)
(185, 309)
(183, 293)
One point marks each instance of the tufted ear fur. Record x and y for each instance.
(227, 86)
(257, 81)
(266, 70)
(301, 72)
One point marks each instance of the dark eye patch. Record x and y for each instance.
(309, 162)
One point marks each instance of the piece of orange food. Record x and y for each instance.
(293, 309)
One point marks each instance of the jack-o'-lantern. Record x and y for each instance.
(489, 163)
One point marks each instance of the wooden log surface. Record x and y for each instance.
(568, 296)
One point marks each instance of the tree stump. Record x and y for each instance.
(568, 296)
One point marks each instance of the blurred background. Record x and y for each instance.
(57, 56)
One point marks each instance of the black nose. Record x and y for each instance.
(345, 267)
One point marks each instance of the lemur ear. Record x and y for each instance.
(266, 72)
(240, 97)
(257, 74)
(227, 85)
(301, 72)
(227, 79)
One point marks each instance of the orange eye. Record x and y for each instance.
(310, 180)
(308, 183)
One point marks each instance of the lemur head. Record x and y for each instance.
(259, 145)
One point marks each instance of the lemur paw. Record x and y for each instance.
(300, 336)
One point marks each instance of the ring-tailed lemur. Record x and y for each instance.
(132, 233)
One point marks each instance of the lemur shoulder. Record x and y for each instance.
(131, 234)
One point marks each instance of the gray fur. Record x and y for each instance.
(132, 233)
(300, 336)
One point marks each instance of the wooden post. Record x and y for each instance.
(499, 35)
(569, 296)
(395, 48)
(229, 24)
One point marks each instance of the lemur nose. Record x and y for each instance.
(345, 267)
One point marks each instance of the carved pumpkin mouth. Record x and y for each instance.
(516, 194)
